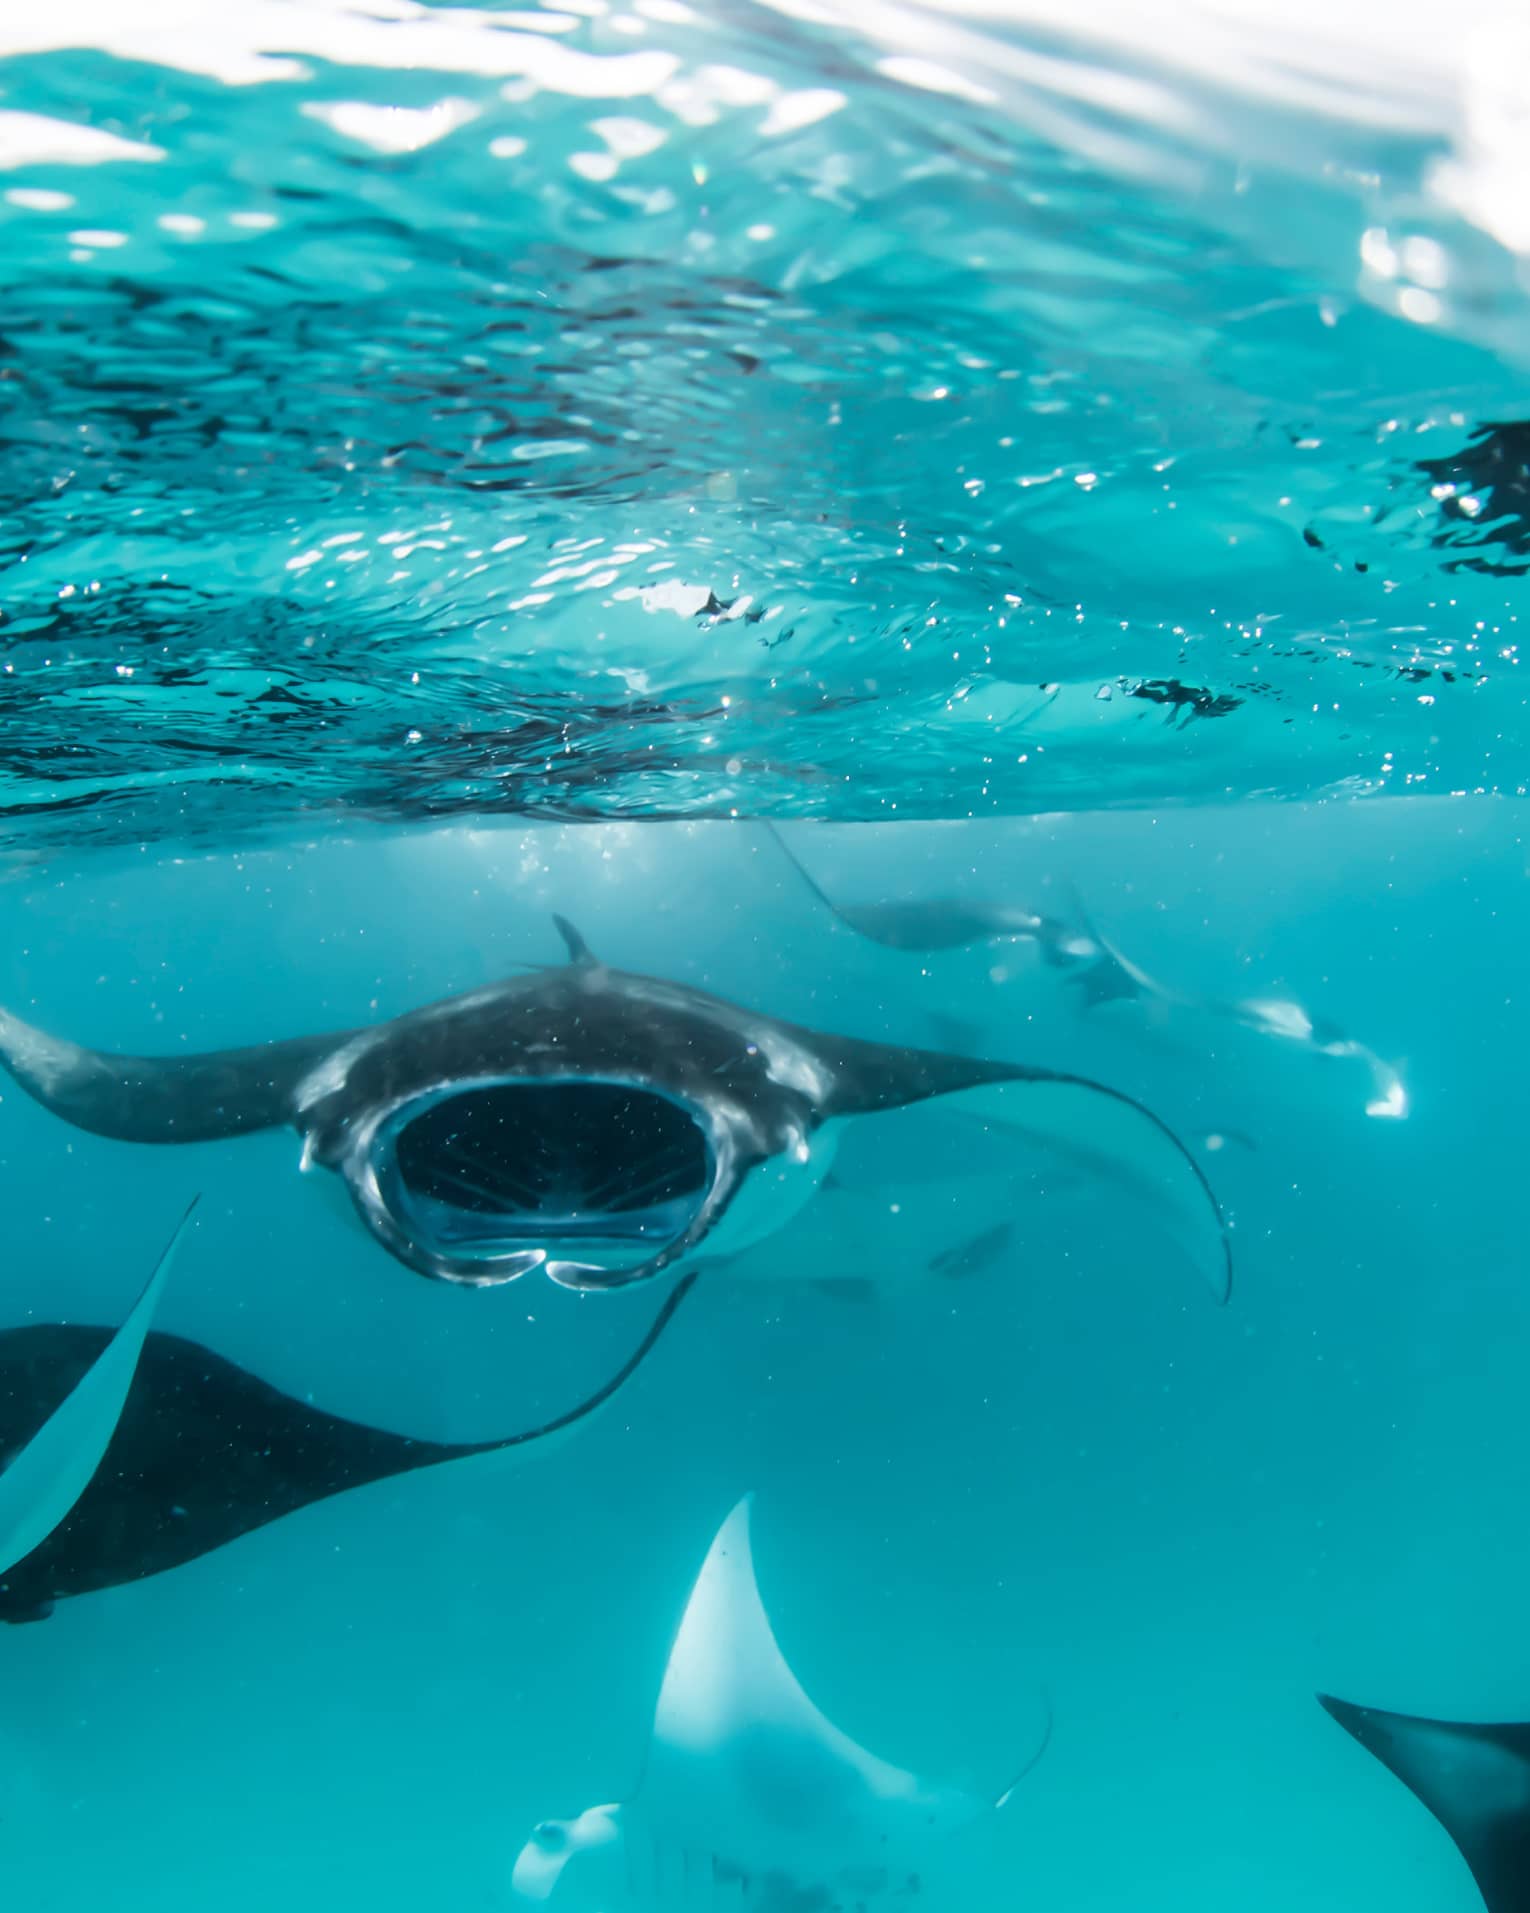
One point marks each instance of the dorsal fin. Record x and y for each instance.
(578, 950)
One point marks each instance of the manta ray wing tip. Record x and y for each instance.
(735, 1524)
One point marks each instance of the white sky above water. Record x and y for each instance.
(1145, 88)
(1189, 67)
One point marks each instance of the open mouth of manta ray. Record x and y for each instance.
(585, 1178)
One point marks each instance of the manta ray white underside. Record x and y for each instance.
(750, 1797)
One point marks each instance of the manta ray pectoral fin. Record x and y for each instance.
(749, 1794)
(1390, 1094)
(41, 1484)
(743, 1766)
(1473, 1777)
(161, 1099)
(734, 1732)
(725, 1670)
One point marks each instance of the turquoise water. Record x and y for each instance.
(407, 414)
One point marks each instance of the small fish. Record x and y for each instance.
(977, 1253)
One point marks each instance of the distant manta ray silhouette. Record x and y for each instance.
(1115, 975)
(1475, 1780)
(1095, 969)
(750, 1799)
(947, 923)
(602, 1126)
(126, 1454)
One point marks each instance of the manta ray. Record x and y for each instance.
(947, 923)
(1475, 1780)
(1116, 975)
(749, 1797)
(601, 1126)
(127, 1453)
(1097, 971)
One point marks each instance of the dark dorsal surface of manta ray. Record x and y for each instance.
(749, 1798)
(1474, 1778)
(195, 1453)
(601, 1125)
(1097, 971)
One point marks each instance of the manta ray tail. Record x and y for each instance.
(1474, 1779)
(40, 1485)
(810, 883)
(160, 1099)
(591, 1403)
(1032, 1763)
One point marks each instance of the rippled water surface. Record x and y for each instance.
(416, 410)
